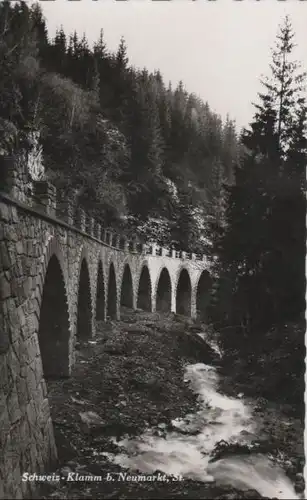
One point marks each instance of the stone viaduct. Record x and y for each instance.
(60, 272)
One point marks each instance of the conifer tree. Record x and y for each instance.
(261, 249)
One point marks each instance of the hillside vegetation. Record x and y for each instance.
(133, 148)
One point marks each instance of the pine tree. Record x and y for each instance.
(103, 71)
(40, 29)
(264, 238)
(100, 48)
(57, 57)
(281, 100)
(231, 151)
(121, 56)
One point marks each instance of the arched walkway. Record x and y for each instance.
(203, 295)
(100, 296)
(126, 298)
(144, 291)
(84, 319)
(112, 293)
(164, 292)
(183, 295)
(53, 334)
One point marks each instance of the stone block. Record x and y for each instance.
(31, 382)
(13, 407)
(2, 492)
(4, 336)
(4, 374)
(19, 247)
(15, 217)
(5, 287)
(4, 255)
(12, 312)
(31, 416)
(21, 316)
(44, 414)
(27, 285)
(11, 234)
(13, 363)
(5, 425)
(14, 287)
(23, 393)
(30, 331)
(5, 214)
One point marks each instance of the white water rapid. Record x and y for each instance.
(219, 418)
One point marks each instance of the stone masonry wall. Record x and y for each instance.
(26, 434)
(30, 236)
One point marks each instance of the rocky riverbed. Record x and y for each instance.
(146, 400)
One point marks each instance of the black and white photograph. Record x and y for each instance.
(152, 249)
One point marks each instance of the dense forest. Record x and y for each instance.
(259, 302)
(148, 158)
(140, 155)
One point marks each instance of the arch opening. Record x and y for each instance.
(164, 292)
(53, 333)
(112, 294)
(126, 298)
(84, 318)
(144, 291)
(100, 295)
(203, 295)
(183, 295)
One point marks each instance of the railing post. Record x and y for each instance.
(65, 209)
(91, 226)
(45, 197)
(117, 241)
(80, 219)
(114, 240)
(134, 246)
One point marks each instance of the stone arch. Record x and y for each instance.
(52, 247)
(100, 293)
(164, 291)
(84, 304)
(144, 295)
(126, 296)
(112, 292)
(183, 293)
(54, 320)
(203, 287)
